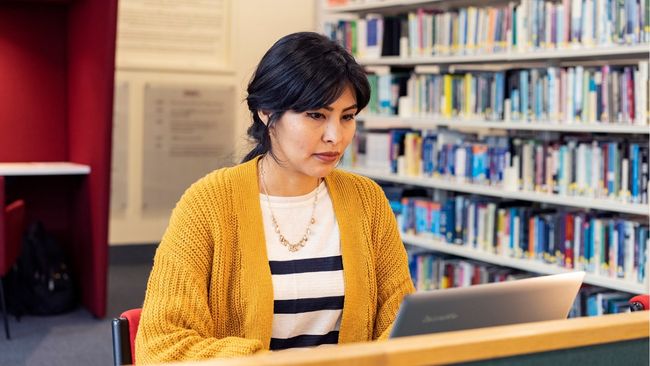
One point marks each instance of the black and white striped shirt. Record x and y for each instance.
(308, 284)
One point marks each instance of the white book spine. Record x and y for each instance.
(461, 156)
(581, 165)
(528, 163)
(576, 20)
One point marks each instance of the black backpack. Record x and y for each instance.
(40, 282)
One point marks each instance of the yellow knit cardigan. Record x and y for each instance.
(210, 292)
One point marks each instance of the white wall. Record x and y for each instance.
(255, 26)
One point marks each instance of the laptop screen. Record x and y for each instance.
(520, 301)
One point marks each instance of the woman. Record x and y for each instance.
(283, 250)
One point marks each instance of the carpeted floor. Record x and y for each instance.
(78, 338)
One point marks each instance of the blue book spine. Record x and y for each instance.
(502, 164)
(451, 159)
(463, 27)
(413, 267)
(592, 306)
(406, 214)
(635, 172)
(630, 19)
(611, 227)
(550, 107)
(621, 249)
(611, 171)
(577, 92)
(523, 87)
(443, 221)
(435, 223)
(512, 215)
(560, 171)
(427, 156)
(500, 81)
(468, 161)
(385, 95)
(643, 252)
(451, 222)
(371, 30)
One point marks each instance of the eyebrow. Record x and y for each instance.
(354, 106)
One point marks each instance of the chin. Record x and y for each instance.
(321, 171)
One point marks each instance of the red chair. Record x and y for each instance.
(124, 330)
(12, 227)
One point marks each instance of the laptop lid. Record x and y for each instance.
(520, 301)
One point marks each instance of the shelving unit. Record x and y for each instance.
(485, 190)
(613, 52)
(610, 54)
(379, 6)
(518, 263)
(384, 122)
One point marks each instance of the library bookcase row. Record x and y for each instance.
(432, 122)
(603, 204)
(531, 103)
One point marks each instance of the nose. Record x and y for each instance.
(333, 131)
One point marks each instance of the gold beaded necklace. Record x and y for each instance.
(293, 247)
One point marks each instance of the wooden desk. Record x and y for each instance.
(607, 340)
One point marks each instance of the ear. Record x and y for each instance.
(264, 116)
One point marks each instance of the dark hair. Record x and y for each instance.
(301, 71)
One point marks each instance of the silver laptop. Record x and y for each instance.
(520, 301)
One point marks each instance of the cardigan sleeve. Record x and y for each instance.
(391, 265)
(176, 322)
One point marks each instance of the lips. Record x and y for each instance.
(328, 156)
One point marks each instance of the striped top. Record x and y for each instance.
(308, 284)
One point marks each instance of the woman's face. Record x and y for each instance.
(311, 143)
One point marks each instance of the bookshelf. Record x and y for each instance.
(502, 51)
(577, 53)
(379, 6)
(486, 190)
(56, 101)
(518, 263)
(420, 123)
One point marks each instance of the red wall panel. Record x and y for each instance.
(33, 82)
(90, 108)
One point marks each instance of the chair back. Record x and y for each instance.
(12, 228)
(124, 330)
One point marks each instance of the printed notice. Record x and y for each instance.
(119, 169)
(188, 132)
(168, 34)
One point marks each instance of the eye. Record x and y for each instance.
(348, 117)
(316, 115)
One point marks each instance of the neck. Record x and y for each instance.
(281, 182)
